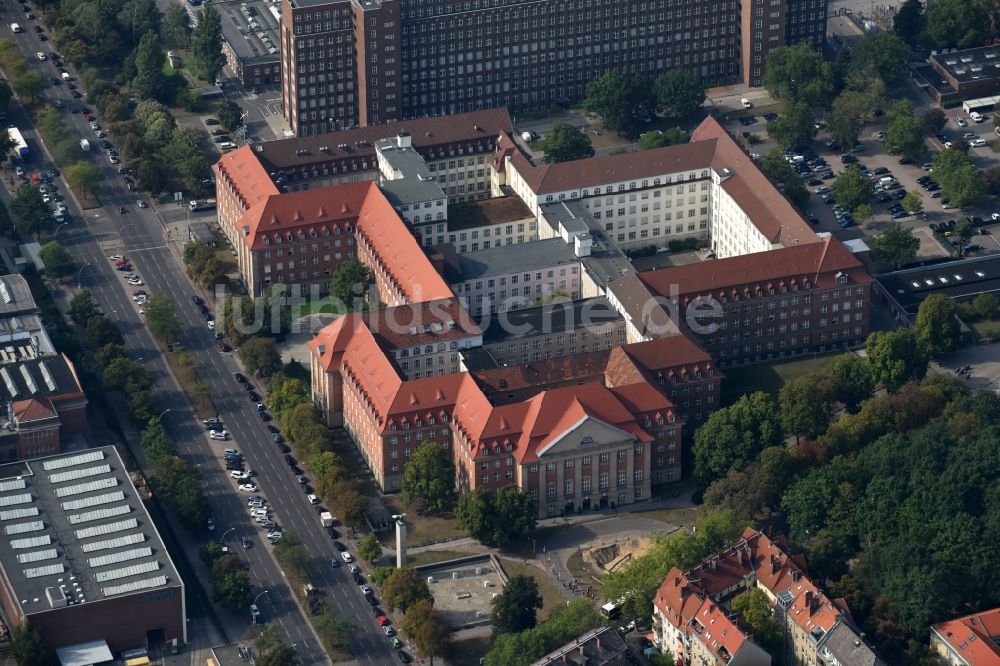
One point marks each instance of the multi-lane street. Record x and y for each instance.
(141, 235)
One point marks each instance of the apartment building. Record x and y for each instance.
(692, 617)
(499, 279)
(368, 62)
(972, 640)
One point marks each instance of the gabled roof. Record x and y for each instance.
(282, 217)
(973, 637)
(720, 635)
(36, 409)
(249, 178)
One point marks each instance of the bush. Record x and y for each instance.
(682, 245)
(647, 251)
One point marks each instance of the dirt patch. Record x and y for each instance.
(611, 558)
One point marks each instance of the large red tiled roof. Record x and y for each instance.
(974, 637)
(720, 635)
(249, 178)
(421, 323)
(283, 216)
(35, 409)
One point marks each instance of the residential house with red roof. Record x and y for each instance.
(691, 615)
(973, 640)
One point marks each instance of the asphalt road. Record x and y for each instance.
(140, 235)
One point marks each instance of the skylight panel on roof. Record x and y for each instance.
(71, 461)
(117, 542)
(13, 484)
(94, 500)
(22, 528)
(134, 585)
(125, 572)
(38, 556)
(74, 474)
(47, 570)
(108, 512)
(31, 542)
(23, 512)
(89, 487)
(120, 556)
(107, 528)
(981, 274)
(11, 500)
(958, 277)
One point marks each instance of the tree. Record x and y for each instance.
(231, 583)
(678, 93)
(32, 212)
(161, 317)
(896, 357)
(370, 549)
(564, 624)
(30, 85)
(495, 518)
(896, 244)
(335, 631)
(991, 176)
(101, 331)
(350, 281)
(82, 308)
(6, 143)
(955, 24)
(798, 73)
(272, 650)
(565, 143)
(805, 405)
(428, 629)
(853, 381)
(755, 610)
(933, 120)
(961, 183)
(863, 213)
(514, 608)
(733, 436)
(795, 128)
(149, 176)
(883, 54)
(176, 30)
(260, 357)
(610, 96)
(658, 139)
(847, 117)
(853, 188)
(83, 176)
(908, 23)
(985, 306)
(206, 45)
(963, 233)
(429, 476)
(350, 503)
(776, 167)
(57, 260)
(292, 556)
(26, 645)
(6, 94)
(937, 325)
(149, 81)
(405, 587)
(230, 114)
(905, 135)
(913, 202)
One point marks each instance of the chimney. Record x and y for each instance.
(796, 575)
(774, 564)
(809, 601)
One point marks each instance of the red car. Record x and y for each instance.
(91, 118)
(382, 619)
(223, 347)
(121, 262)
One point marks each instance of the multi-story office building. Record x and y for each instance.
(349, 62)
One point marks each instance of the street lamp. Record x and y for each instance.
(55, 234)
(258, 597)
(223, 539)
(79, 276)
(162, 413)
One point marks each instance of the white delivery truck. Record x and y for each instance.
(15, 27)
(326, 518)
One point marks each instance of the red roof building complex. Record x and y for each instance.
(973, 640)
(692, 619)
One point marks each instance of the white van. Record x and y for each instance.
(746, 103)
(227, 146)
(977, 143)
(15, 27)
(977, 117)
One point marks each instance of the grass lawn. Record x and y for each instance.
(684, 517)
(434, 556)
(320, 306)
(770, 377)
(420, 529)
(469, 651)
(552, 595)
(986, 328)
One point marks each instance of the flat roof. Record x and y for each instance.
(408, 191)
(250, 27)
(85, 654)
(75, 531)
(521, 258)
(487, 212)
(572, 215)
(960, 280)
(594, 312)
(978, 64)
(15, 295)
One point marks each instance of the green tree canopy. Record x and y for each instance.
(260, 357)
(755, 610)
(937, 326)
(428, 629)
(429, 476)
(350, 282)
(161, 317)
(896, 357)
(206, 45)
(657, 139)
(620, 101)
(806, 404)
(370, 549)
(149, 81)
(564, 143)
(955, 24)
(850, 110)
(404, 588)
(230, 114)
(913, 203)
(908, 23)
(514, 608)
(798, 73)
(231, 583)
(853, 188)
(795, 128)
(27, 647)
(883, 54)
(776, 167)
(101, 331)
(733, 436)
(961, 183)
(905, 134)
(57, 260)
(896, 244)
(82, 308)
(31, 85)
(564, 624)
(32, 213)
(494, 518)
(678, 93)
(176, 30)
(853, 381)
(83, 176)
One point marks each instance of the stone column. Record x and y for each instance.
(400, 540)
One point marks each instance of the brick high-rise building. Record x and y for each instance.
(347, 62)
